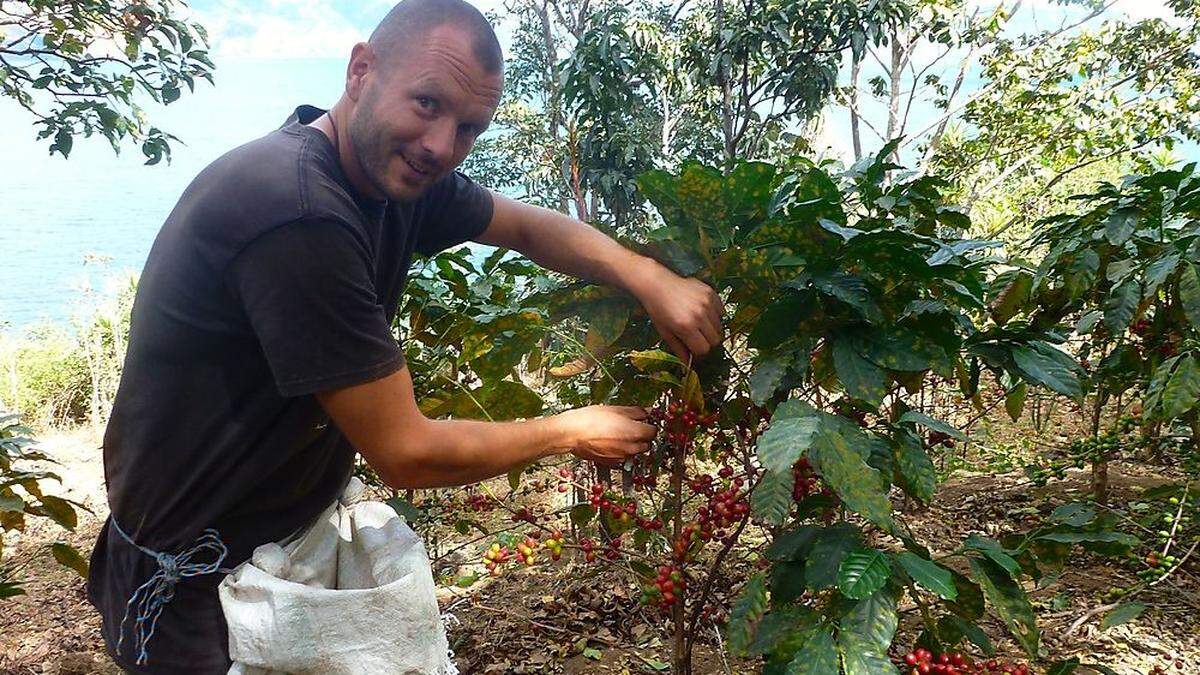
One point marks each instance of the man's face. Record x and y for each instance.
(418, 117)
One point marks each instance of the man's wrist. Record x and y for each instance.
(559, 436)
(644, 276)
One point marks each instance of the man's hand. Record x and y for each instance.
(606, 434)
(687, 312)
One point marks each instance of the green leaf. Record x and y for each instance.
(772, 499)
(67, 556)
(968, 630)
(969, 604)
(1158, 383)
(652, 360)
(872, 621)
(59, 510)
(858, 660)
(793, 427)
(928, 574)
(1042, 363)
(862, 379)
(793, 544)
(582, 514)
(781, 626)
(1081, 537)
(1189, 293)
(1120, 225)
(746, 612)
(780, 320)
(993, 550)
(858, 485)
(1122, 302)
(1074, 514)
(1158, 271)
(1100, 668)
(592, 653)
(1009, 601)
(862, 573)
(1014, 401)
(818, 655)
(915, 467)
(937, 425)
(1012, 298)
(851, 290)
(768, 374)
(1183, 390)
(828, 550)
(1123, 613)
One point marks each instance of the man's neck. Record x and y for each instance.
(335, 130)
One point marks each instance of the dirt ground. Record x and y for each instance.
(570, 619)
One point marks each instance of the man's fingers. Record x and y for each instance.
(632, 411)
(676, 346)
(711, 332)
(697, 343)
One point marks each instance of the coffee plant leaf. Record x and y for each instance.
(862, 573)
(858, 485)
(1120, 306)
(654, 360)
(1089, 537)
(582, 514)
(1075, 514)
(793, 544)
(969, 604)
(928, 574)
(917, 473)
(932, 423)
(1013, 298)
(780, 320)
(767, 376)
(59, 510)
(994, 551)
(661, 189)
(772, 498)
(67, 556)
(1014, 400)
(954, 626)
(793, 428)
(748, 189)
(787, 582)
(859, 660)
(1119, 226)
(746, 612)
(850, 289)
(818, 656)
(1183, 390)
(1044, 364)
(1158, 272)
(1123, 613)
(862, 379)
(783, 630)
(1158, 383)
(830, 547)
(1189, 293)
(871, 622)
(1008, 599)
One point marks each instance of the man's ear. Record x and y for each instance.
(362, 61)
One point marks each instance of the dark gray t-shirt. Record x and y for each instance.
(271, 280)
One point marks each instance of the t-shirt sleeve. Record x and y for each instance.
(456, 209)
(306, 288)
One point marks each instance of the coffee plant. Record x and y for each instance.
(1124, 269)
(848, 295)
(22, 498)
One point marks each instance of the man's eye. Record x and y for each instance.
(425, 102)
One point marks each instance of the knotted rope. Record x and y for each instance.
(149, 598)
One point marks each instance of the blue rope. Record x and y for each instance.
(150, 597)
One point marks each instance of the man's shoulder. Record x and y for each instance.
(282, 177)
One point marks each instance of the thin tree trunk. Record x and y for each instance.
(723, 82)
(855, 134)
(1099, 460)
(895, 73)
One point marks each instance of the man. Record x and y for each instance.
(261, 355)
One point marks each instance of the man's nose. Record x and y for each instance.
(438, 142)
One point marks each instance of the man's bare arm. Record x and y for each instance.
(408, 450)
(686, 312)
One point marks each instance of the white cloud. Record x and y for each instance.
(293, 29)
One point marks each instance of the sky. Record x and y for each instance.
(271, 56)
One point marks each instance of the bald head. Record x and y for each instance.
(411, 20)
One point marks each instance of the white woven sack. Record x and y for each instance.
(354, 594)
